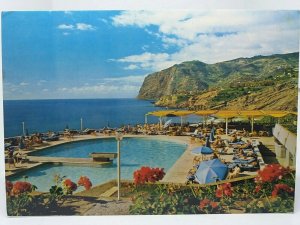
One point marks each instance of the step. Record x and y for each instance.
(109, 192)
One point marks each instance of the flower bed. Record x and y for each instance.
(272, 190)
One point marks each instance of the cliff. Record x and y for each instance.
(260, 82)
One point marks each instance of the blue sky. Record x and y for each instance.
(107, 54)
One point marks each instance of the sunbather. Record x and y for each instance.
(233, 139)
(11, 159)
(223, 150)
(215, 156)
(196, 160)
(246, 145)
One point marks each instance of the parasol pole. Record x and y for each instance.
(226, 121)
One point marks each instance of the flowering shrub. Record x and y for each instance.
(147, 174)
(281, 187)
(19, 202)
(270, 192)
(208, 206)
(270, 173)
(69, 186)
(21, 187)
(85, 182)
(224, 190)
(9, 187)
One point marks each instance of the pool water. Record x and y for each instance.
(135, 152)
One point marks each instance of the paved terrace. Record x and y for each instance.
(178, 172)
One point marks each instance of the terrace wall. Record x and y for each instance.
(285, 145)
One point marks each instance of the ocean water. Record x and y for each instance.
(135, 152)
(56, 115)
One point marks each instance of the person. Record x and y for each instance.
(196, 160)
(219, 131)
(245, 133)
(233, 139)
(215, 156)
(248, 144)
(218, 143)
(195, 132)
(11, 159)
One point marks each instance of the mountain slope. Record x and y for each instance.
(260, 82)
(195, 76)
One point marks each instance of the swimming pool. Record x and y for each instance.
(135, 152)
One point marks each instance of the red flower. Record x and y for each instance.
(9, 186)
(21, 187)
(69, 185)
(271, 172)
(219, 193)
(224, 190)
(85, 182)
(281, 187)
(257, 189)
(214, 205)
(205, 202)
(147, 174)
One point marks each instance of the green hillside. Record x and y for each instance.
(229, 80)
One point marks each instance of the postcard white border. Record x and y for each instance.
(245, 219)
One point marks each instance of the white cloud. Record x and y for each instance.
(103, 20)
(211, 36)
(24, 84)
(119, 87)
(66, 27)
(145, 60)
(41, 82)
(126, 80)
(101, 91)
(45, 90)
(131, 67)
(84, 26)
(77, 26)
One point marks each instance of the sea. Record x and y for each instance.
(56, 115)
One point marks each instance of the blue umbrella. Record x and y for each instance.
(211, 171)
(211, 136)
(213, 130)
(207, 143)
(202, 150)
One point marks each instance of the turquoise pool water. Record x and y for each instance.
(135, 152)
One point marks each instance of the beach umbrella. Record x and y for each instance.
(211, 136)
(168, 123)
(211, 171)
(213, 130)
(207, 143)
(202, 150)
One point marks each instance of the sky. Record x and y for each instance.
(107, 54)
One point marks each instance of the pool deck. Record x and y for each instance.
(176, 174)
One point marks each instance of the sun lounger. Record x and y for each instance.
(243, 161)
